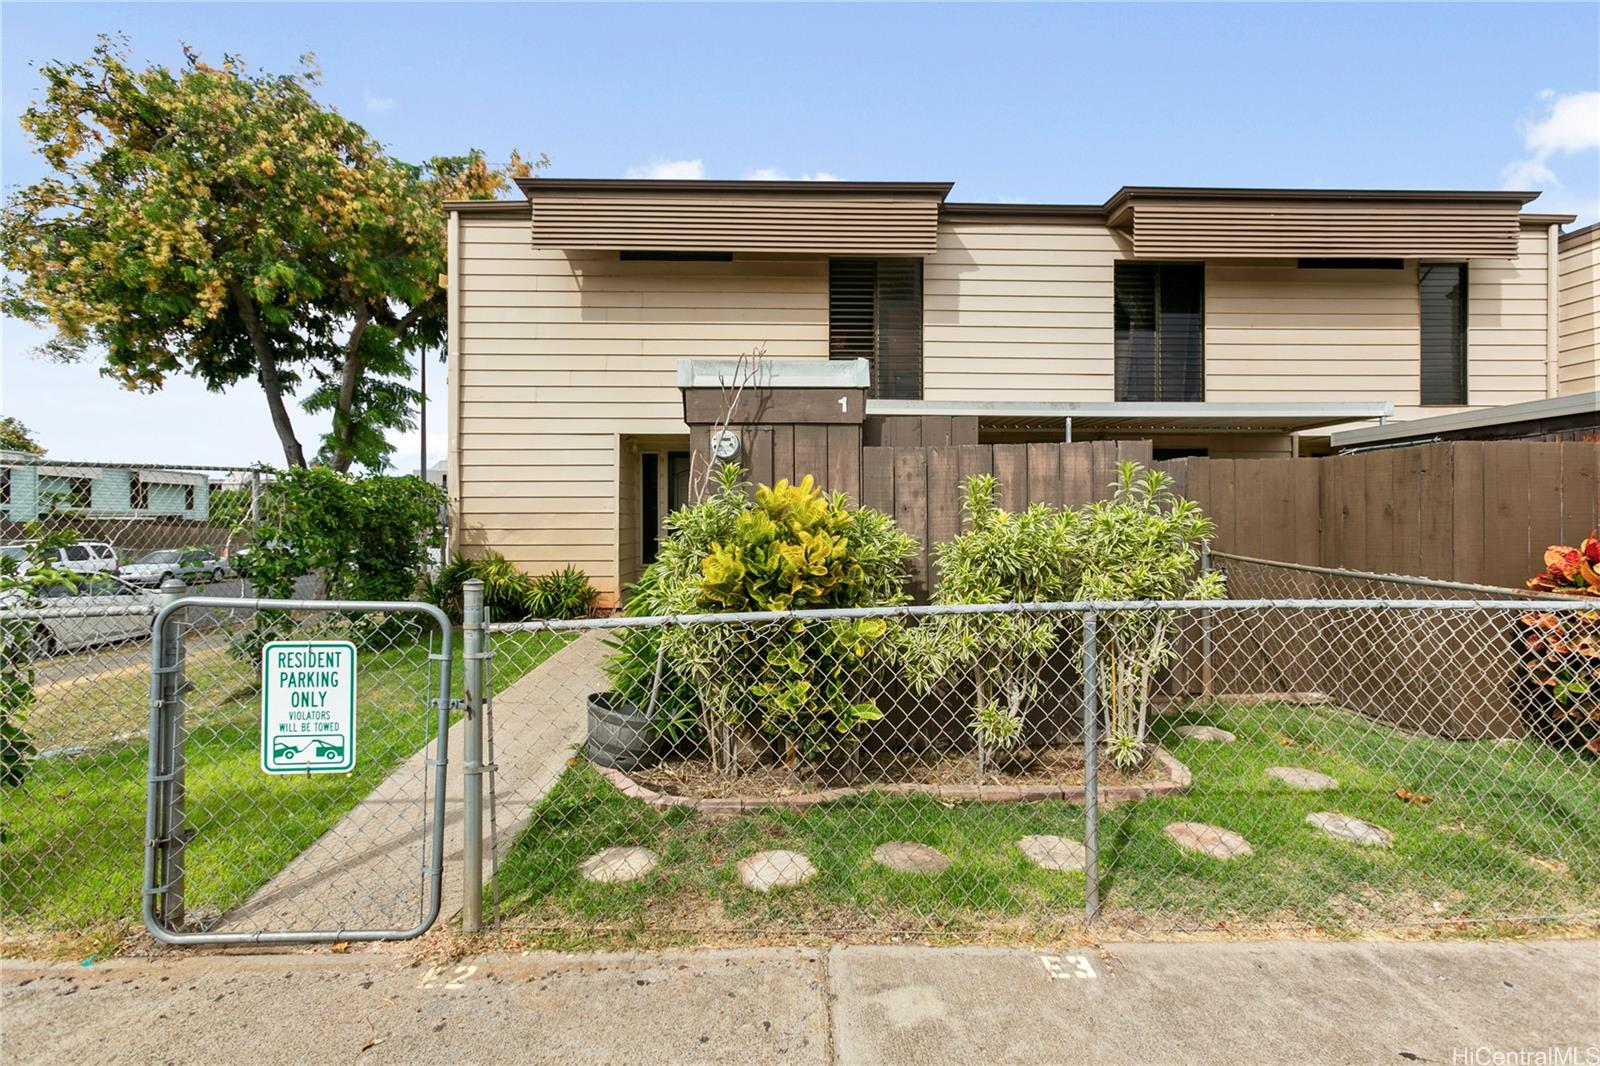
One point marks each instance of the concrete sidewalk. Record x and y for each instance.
(1454, 1003)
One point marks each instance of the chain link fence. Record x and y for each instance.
(1309, 764)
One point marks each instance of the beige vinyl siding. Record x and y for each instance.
(1579, 317)
(1278, 332)
(555, 354)
(815, 224)
(1257, 228)
(1019, 312)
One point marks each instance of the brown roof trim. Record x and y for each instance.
(532, 187)
(1004, 213)
(492, 208)
(1179, 192)
(1535, 219)
(1578, 238)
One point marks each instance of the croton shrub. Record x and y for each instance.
(1561, 650)
(793, 689)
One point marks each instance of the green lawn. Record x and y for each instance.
(73, 850)
(1510, 830)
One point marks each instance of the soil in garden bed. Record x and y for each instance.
(1063, 766)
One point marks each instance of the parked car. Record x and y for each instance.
(84, 557)
(193, 565)
(95, 593)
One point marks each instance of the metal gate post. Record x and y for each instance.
(168, 740)
(1091, 755)
(472, 756)
(1205, 632)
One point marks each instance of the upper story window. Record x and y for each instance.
(875, 313)
(1442, 303)
(80, 492)
(1160, 332)
(138, 493)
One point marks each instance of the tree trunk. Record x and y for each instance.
(267, 374)
(344, 418)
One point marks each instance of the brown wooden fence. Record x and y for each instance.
(1477, 511)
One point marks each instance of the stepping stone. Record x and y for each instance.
(767, 870)
(1305, 780)
(1209, 840)
(616, 865)
(1206, 732)
(1354, 830)
(1054, 853)
(909, 858)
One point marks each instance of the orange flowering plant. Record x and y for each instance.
(1561, 650)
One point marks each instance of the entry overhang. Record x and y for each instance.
(1204, 417)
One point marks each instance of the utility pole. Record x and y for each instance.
(423, 365)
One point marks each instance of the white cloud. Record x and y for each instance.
(1569, 125)
(671, 169)
(376, 103)
(775, 174)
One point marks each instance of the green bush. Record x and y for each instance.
(784, 547)
(1001, 557)
(562, 594)
(510, 594)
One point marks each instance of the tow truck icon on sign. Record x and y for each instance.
(306, 751)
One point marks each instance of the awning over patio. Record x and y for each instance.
(1099, 417)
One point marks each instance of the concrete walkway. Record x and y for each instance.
(1278, 1002)
(365, 871)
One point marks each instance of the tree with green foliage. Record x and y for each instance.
(15, 437)
(219, 221)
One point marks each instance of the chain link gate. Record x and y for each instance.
(297, 770)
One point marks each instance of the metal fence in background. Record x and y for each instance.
(1008, 771)
(236, 851)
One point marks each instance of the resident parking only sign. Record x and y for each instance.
(308, 707)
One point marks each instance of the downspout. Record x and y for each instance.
(452, 326)
(1552, 313)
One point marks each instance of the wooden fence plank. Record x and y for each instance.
(877, 479)
(1011, 472)
(1224, 508)
(1544, 504)
(1466, 521)
(783, 452)
(935, 430)
(1250, 534)
(1044, 474)
(844, 460)
(1077, 474)
(1580, 491)
(911, 510)
(1377, 511)
(758, 445)
(1406, 499)
(1506, 531)
(1436, 511)
(945, 493)
(1102, 468)
(811, 451)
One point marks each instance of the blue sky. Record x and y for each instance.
(1032, 103)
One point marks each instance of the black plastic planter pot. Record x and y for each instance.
(620, 733)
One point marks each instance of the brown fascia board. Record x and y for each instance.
(493, 208)
(1117, 207)
(999, 213)
(532, 187)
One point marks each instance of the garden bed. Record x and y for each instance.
(1031, 776)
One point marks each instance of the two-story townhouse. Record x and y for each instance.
(1223, 322)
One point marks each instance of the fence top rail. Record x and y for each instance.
(1076, 607)
(1498, 591)
(18, 459)
(115, 610)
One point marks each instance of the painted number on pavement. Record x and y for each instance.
(1060, 967)
(308, 707)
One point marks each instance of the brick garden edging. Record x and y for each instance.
(1177, 779)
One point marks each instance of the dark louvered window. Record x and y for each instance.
(1160, 332)
(1442, 299)
(875, 313)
